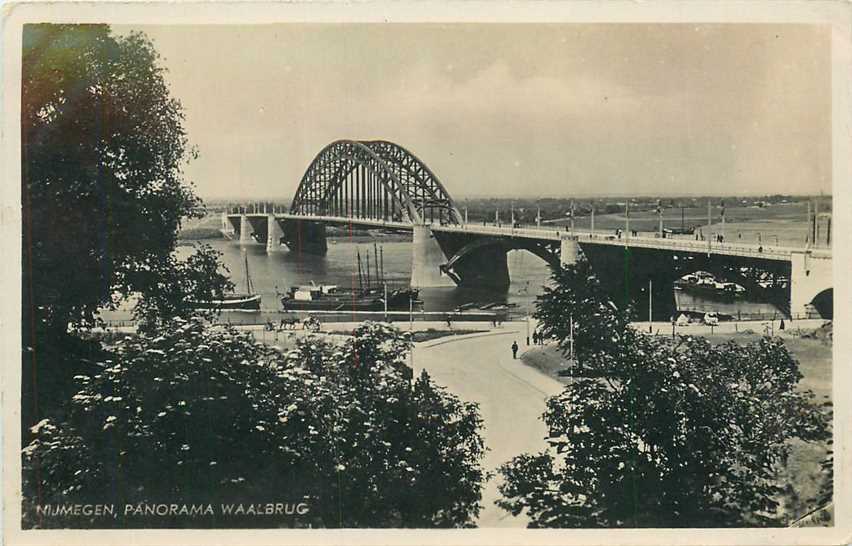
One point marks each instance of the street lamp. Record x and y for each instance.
(411, 312)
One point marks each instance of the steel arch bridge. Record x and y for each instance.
(376, 180)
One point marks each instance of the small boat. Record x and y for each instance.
(239, 302)
(248, 301)
(372, 294)
(705, 284)
(328, 297)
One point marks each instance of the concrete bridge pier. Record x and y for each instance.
(246, 230)
(569, 249)
(274, 233)
(427, 257)
(811, 291)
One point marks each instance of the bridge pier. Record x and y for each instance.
(569, 249)
(810, 285)
(426, 260)
(274, 233)
(245, 229)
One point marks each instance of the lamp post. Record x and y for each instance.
(385, 286)
(816, 222)
(571, 345)
(650, 305)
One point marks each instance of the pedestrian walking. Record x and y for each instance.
(514, 349)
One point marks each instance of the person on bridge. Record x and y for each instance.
(514, 350)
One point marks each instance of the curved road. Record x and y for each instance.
(510, 396)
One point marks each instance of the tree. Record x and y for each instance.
(103, 148)
(182, 282)
(203, 414)
(688, 435)
(576, 294)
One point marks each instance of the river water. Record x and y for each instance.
(276, 272)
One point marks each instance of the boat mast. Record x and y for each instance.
(376, 259)
(248, 276)
(367, 263)
(360, 275)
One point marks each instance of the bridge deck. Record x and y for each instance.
(548, 233)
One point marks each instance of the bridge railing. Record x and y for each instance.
(607, 237)
(773, 252)
(696, 246)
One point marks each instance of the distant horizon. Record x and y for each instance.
(462, 197)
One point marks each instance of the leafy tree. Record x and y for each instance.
(689, 435)
(182, 282)
(576, 294)
(204, 414)
(103, 147)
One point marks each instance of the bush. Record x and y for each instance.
(576, 295)
(682, 434)
(203, 414)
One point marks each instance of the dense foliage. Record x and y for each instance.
(103, 195)
(576, 295)
(205, 415)
(681, 434)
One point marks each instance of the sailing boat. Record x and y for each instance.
(372, 293)
(248, 301)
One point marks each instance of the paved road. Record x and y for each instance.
(510, 395)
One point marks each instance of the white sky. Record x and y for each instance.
(520, 110)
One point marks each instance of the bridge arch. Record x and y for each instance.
(485, 258)
(373, 180)
(823, 303)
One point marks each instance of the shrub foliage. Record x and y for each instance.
(205, 415)
(672, 433)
